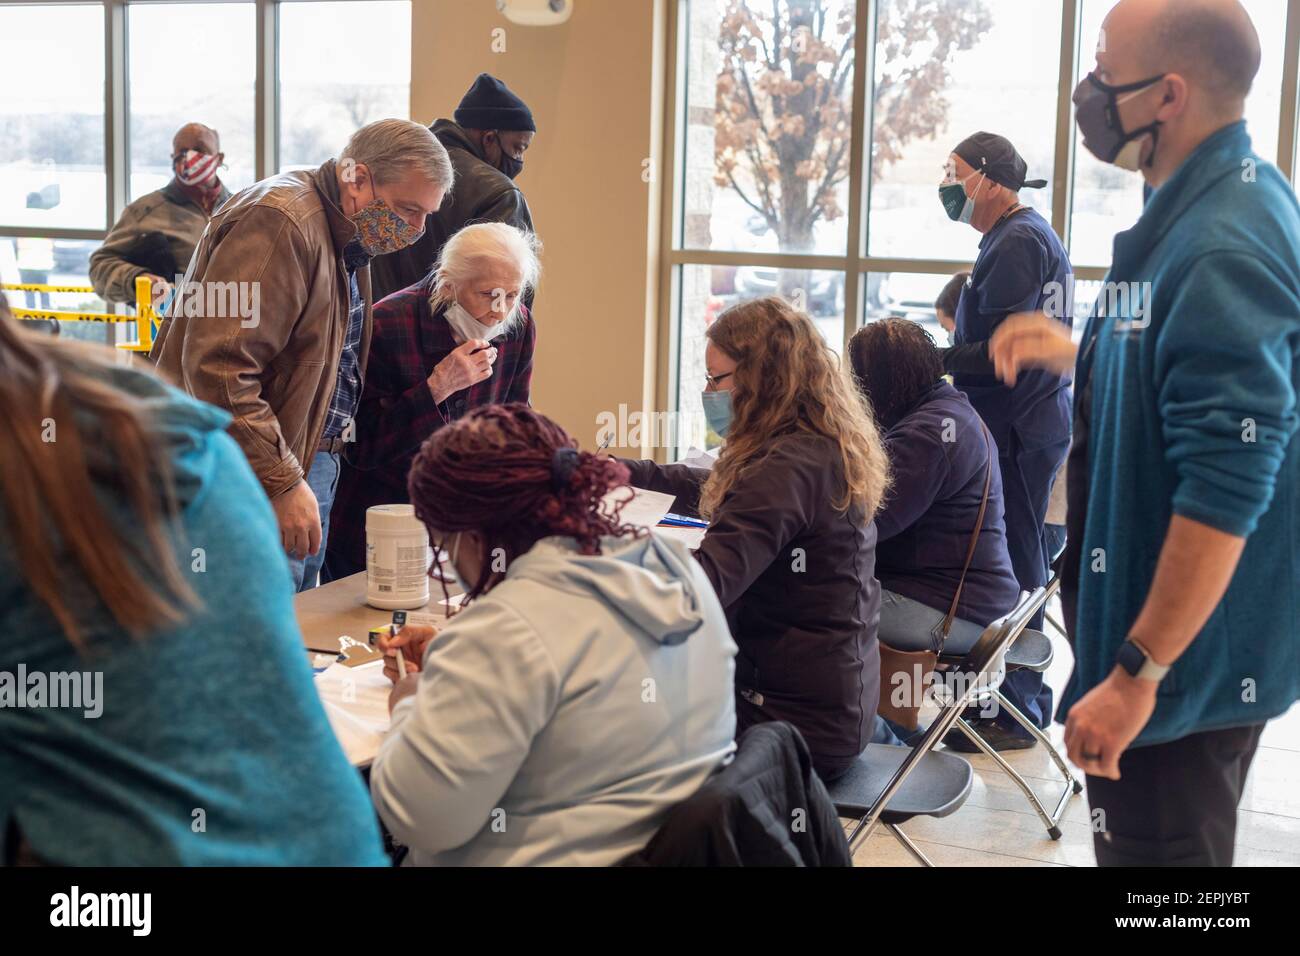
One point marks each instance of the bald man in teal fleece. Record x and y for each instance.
(1184, 482)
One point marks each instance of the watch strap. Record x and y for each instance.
(1149, 669)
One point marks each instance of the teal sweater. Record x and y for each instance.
(212, 747)
(1194, 412)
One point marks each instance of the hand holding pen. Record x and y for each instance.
(404, 648)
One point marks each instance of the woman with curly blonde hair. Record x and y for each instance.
(790, 546)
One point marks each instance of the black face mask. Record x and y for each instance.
(509, 165)
(1097, 115)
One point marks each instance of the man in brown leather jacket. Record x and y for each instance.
(272, 320)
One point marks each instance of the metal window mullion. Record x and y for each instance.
(867, 24)
(116, 131)
(670, 216)
(1286, 137)
(795, 260)
(116, 142)
(51, 232)
(1063, 167)
(266, 138)
(858, 139)
(777, 260)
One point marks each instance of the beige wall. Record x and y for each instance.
(594, 86)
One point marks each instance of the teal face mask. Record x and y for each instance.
(959, 206)
(717, 411)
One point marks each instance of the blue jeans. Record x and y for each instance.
(323, 480)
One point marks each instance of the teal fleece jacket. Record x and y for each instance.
(210, 746)
(1194, 369)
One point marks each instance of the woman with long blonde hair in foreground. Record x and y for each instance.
(790, 546)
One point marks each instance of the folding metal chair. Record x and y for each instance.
(891, 785)
(1053, 588)
(1031, 650)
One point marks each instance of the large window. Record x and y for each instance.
(933, 88)
(52, 117)
(770, 100)
(214, 86)
(92, 92)
(1108, 200)
(795, 175)
(320, 109)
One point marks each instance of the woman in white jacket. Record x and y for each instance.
(585, 689)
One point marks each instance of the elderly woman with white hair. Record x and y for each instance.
(458, 339)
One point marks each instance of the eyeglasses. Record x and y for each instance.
(716, 380)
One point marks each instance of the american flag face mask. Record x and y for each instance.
(196, 169)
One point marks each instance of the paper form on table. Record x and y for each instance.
(641, 508)
(356, 702)
(700, 459)
(691, 537)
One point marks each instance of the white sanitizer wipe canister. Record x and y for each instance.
(397, 558)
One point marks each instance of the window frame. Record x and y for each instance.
(266, 114)
(855, 264)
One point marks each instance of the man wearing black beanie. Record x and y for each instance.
(491, 130)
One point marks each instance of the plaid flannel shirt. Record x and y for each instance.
(397, 412)
(347, 388)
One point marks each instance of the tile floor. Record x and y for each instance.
(997, 827)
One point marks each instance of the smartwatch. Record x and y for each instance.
(1136, 662)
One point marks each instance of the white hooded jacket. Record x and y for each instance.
(562, 714)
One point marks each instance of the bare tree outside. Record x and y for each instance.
(784, 98)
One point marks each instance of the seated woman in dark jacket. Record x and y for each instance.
(459, 339)
(790, 546)
(939, 453)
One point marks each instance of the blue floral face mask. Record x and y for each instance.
(380, 230)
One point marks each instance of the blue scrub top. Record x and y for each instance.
(1022, 267)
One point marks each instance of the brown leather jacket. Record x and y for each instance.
(273, 367)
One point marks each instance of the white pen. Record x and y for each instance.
(399, 622)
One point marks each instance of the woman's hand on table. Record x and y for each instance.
(412, 640)
(468, 364)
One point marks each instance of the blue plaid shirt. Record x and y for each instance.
(347, 388)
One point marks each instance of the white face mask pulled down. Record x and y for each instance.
(450, 566)
(465, 327)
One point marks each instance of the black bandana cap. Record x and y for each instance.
(996, 158)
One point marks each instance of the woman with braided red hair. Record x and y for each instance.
(584, 690)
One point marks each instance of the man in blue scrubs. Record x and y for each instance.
(1022, 267)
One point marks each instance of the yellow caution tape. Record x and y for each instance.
(30, 315)
(31, 287)
(143, 319)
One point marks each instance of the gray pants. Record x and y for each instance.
(907, 625)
